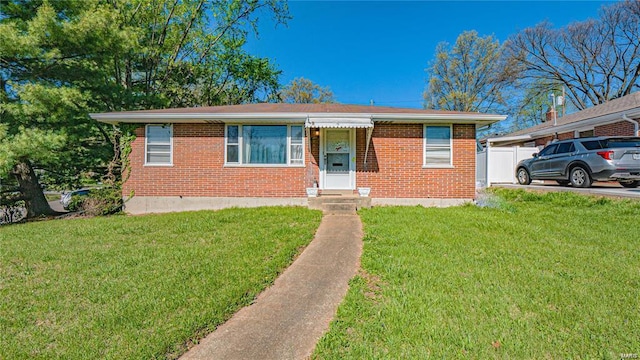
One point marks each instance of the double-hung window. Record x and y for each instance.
(437, 146)
(296, 145)
(264, 145)
(158, 148)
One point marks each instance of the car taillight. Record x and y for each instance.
(607, 155)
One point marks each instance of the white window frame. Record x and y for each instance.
(290, 144)
(226, 144)
(424, 147)
(146, 145)
(241, 143)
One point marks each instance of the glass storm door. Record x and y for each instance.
(338, 152)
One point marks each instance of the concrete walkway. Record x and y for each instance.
(288, 319)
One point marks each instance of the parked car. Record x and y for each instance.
(65, 198)
(579, 162)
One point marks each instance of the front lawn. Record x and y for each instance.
(137, 287)
(552, 276)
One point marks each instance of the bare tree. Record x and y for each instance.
(596, 60)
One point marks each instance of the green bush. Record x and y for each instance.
(75, 204)
(105, 201)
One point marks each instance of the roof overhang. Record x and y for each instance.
(596, 121)
(572, 126)
(506, 140)
(338, 122)
(288, 117)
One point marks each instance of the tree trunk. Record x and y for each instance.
(35, 201)
(114, 169)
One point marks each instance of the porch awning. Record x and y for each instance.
(341, 122)
(344, 123)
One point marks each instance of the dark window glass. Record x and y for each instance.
(549, 150)
(565, 148)
(592, 145)
(622, 143)
(232, 153)
(587, 133)
(232, 134)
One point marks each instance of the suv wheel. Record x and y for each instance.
(523, 177)
(579, 177)
(630, 183)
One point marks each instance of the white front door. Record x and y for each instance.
(337, 165)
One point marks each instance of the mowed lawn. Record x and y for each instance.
(140, 287)
(553, 276)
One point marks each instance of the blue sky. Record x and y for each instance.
(378, 50)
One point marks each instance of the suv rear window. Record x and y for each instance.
(622, 143)
(565, 148)
(592, 144)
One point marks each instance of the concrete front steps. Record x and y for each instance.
(339, 202)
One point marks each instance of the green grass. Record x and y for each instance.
(137, 287)
(552, 276)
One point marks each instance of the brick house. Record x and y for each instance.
(269, 154)
(618, 117)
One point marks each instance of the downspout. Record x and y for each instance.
(635, 124)
(486, 174)
(369, 133)
(308, 133)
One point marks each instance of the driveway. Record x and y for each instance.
(56, 206)
(598, 189)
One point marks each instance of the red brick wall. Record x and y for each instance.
(621, 128)
(394, 164)
(394, 167)
(548, 139)
(198, 169)
(566, 136)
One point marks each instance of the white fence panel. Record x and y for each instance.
(524, 153)
(481, 169)
(500, 164)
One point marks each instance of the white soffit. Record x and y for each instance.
(352, 120)
(338, 122)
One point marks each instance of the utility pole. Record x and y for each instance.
(564, 101)
(555, 114)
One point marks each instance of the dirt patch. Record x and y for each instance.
(374, 284)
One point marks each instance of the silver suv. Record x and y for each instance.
(579, 162)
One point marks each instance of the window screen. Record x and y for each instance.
(158, 149)
(437, 145)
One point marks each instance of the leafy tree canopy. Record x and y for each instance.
(60, 60)
(305, 91)
(471, 75)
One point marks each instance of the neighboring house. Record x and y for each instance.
(500, 154)
(268, 154)
(618, 117)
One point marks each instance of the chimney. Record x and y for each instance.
(551, 115)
